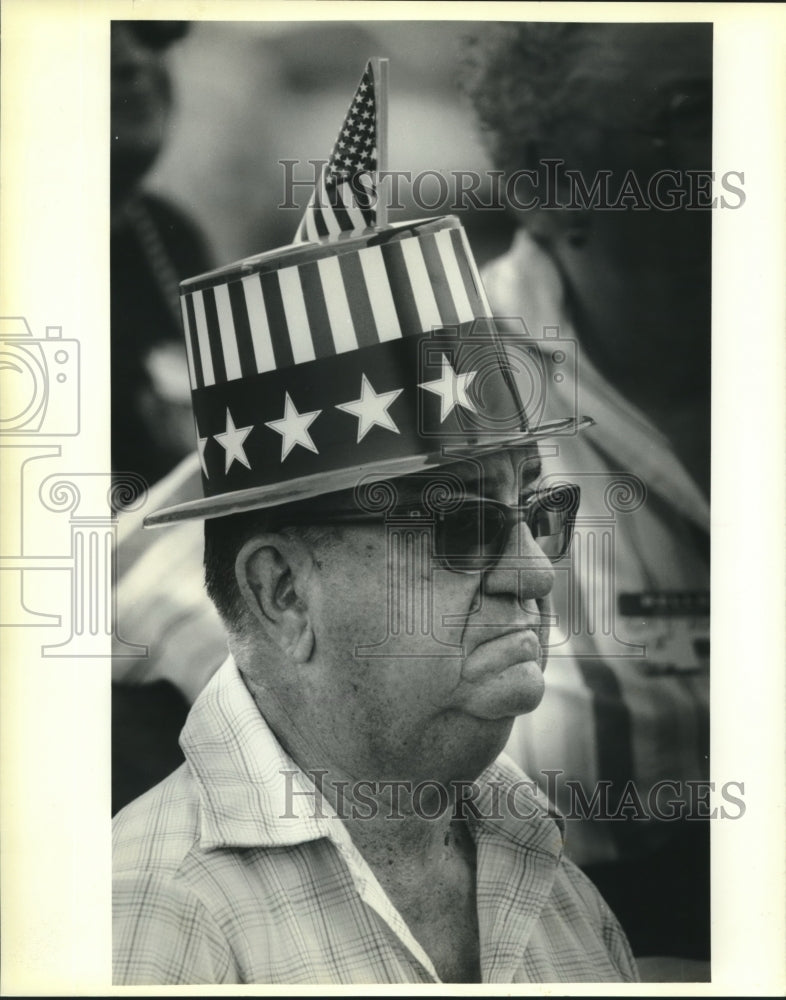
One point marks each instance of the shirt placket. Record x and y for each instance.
(375, 897)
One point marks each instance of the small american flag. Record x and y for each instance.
(345, 198)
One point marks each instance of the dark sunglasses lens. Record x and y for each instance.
(550, 520)
(549, 531)
(472, 537)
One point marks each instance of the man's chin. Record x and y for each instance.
(514, 691)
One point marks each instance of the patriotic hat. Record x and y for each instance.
(363, 350)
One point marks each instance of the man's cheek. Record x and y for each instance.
(420, 599)
(455, 599)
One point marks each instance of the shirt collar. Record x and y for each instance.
(252, 793)
(513, 808)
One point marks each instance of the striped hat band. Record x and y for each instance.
(275, 311)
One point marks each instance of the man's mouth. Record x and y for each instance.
(502, 675)
(501, 650)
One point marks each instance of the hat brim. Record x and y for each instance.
(307, 487)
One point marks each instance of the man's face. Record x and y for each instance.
(422, 666)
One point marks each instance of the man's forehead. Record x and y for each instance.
(493, 474)
(500, 468)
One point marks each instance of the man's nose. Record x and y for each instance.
(523, 567)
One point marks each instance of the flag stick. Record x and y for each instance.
(379, 69)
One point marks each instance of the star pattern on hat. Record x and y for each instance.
(371, 409)
(451, 388)
(201, 443)
(232, 442)
(293, 428)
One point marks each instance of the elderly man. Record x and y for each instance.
(234, 871)
(380, 552)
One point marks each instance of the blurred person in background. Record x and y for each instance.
(154, 244)
(630, 285)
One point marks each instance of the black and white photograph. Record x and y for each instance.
(385, 496)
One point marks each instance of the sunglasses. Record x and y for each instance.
(472, 536)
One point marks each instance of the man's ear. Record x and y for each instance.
(272, 571)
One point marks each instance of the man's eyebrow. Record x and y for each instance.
(525, 471)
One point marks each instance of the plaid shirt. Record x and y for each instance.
(212, 884)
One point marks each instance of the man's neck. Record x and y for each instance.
(425, 861)
(391, 826)
(401, 819)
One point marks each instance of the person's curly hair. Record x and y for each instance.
(522, 80)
